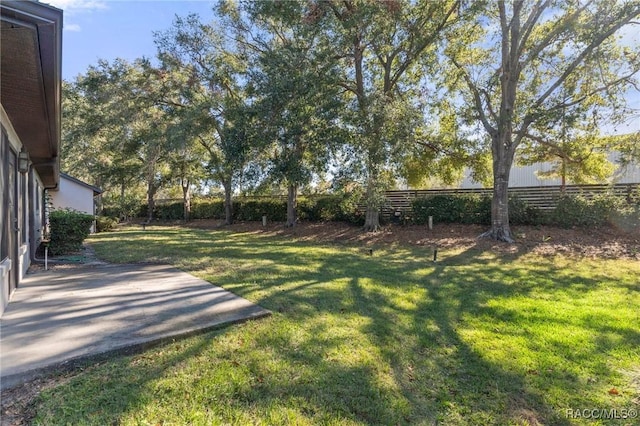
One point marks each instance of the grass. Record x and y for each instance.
(475, 339)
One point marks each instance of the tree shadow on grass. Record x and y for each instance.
(465, 381)
(381, 339)
(103, 392)
(453, 290)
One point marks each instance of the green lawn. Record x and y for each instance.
(475, 339)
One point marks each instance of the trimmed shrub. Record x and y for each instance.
(319, 209)
(124, 208)
(578, 210)
(171, 211)
(471, 209)
(207, 209)
(69, 229)
(349, 211)
(143, 211)
(105, 223)
(253, 210)
(520, 213)
(627, 219)
(452, 209)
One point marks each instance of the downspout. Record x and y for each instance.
(34, 238)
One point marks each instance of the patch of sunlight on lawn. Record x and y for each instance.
(476, 338)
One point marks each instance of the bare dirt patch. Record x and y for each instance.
(17, 403)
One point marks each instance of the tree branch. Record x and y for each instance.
(535, 51)
(423, 45)
(440, 150)
(487, 98)
(587, 51)
(529, 25)
(476, 97)
(593, 92)
(556, 148)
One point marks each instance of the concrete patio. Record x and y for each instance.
(70, 314)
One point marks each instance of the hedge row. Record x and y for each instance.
(315, 209)
(570, 211)
(471, 209)
(468, 209)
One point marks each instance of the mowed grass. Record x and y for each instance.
(357, 339)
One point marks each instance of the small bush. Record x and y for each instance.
(319, 209)
(123, 208)
(627, 219)
(520, 213)
(106, 223)
(143, 211)
(349, 210)
(69, 229)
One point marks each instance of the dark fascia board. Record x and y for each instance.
(32, 12)
(47, 20)
(96, 190)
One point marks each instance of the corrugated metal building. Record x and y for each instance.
(528, 176)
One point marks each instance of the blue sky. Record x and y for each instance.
(108, 29)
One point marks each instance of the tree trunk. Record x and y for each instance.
(500, 229)
(503, 147)
(124, 216)
(292, 206)
(372, 220)
(228, 203)
(186, 198)
(151, 202)
(372, 217)
(503, 153)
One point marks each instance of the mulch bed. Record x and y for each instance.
(603, 242)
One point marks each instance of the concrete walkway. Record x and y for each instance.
(69, 314)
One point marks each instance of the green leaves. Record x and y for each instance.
(69, 229)
(277, 94)
(550, 75)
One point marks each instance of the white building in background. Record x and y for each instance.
(75, 194)
(523, 176)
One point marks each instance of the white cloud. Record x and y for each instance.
(72, 27)
(71, 6)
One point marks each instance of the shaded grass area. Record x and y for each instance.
(392, 338)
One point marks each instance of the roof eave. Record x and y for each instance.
(40, 25)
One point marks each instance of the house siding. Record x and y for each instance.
(30, 117)
(74, 195)
(21, 216)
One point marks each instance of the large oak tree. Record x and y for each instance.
(381, 47)
(527, 67)
(211, 97)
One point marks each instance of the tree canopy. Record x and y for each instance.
(284, 94)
